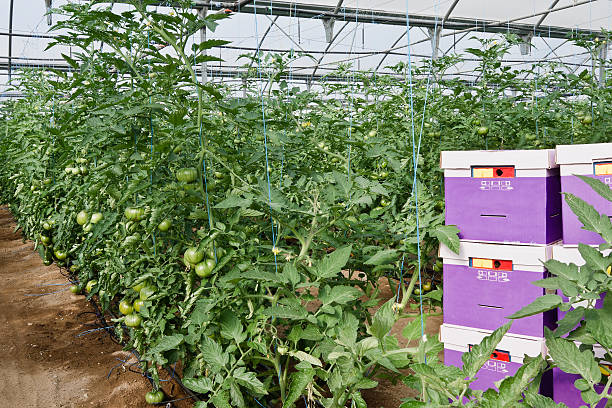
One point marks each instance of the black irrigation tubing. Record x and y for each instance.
(104, 326)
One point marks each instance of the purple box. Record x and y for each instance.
(564, 390)
(504, 362)
(503, 196)
(594, 160)
(486, 282)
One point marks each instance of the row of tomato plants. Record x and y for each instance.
(244, 239)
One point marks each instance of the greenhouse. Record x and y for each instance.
(319, 203)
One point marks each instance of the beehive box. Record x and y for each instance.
(485, 283)
(503, 196)
(504, 362)
(593, 160)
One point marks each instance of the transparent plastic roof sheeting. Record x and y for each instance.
(366, 35)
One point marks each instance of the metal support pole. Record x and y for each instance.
(202, 13)
(603, 56)
(434, 35)
(10, 44)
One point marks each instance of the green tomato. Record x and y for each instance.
(164, 225)
(75, 289)
(587, 120)
(154, 397)
(204, 269)
(83, 170)
(384, 202)
(138, 303)
(87, 227)
(47, 181)
(90, 285)
(383, 175)
(483, 130)
(218, 175)
(133, 320)
(45, 239)
(46, 226)
(47, 261)
(187, 175)
(134, 214)
(193, 255)
(82, 218)
(125, 307)
(75, 171)
(372, 133)
(146, 292)
(96, 218)
(139, 286)
(60, 255)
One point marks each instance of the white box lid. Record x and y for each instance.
(583, 153)
(515, 344)
(570, 254)
(520, 159)
(518, 254)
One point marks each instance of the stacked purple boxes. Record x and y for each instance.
(507, 206)
(592, 160)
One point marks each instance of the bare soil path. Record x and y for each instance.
(42, 361)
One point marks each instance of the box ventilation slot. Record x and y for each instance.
(494, 215)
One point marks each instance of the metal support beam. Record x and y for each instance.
(434, 36)
(603, 56)
(541, 20)
(263, 38)
(10, 40)
(525, 45)
(449, 12)
(386, 53)
(49, 5)
(285, 33)
(328, 23)
(314, 71)
(310, 11)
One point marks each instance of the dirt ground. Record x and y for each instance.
(43, 360)
(47, 361)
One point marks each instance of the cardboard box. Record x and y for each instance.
(504, 362)
(486, 282)
(503, 196)
(593, 160)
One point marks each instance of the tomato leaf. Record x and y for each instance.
(541, 304)
(167, 343)
(332, 264)
(249, 380)
(298, 382)
(200, 384)
(571, 360)
(481, 353)
(447, 235)
(383, 257)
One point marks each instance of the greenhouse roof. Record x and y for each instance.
(369, 35)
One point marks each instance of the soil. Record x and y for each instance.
(46, 359)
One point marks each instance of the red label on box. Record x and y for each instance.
(493, 264)
(498, 355)
(493, 172)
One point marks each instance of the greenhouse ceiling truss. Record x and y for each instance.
(437, 27)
